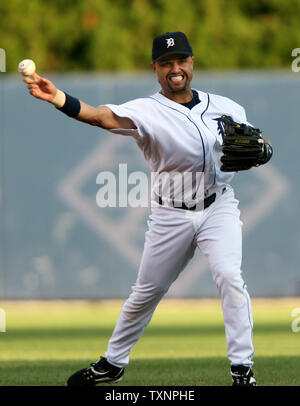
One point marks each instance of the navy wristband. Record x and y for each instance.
(71, 107)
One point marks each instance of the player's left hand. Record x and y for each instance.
(243, 147)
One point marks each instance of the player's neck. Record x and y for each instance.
(179, 97)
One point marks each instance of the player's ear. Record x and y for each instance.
(153, 66)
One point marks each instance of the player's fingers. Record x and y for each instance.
(36, 77)
(28, 80)
(33, 86)
(33, 92)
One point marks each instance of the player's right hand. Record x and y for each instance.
(41, 88)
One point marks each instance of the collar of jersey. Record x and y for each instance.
(177, 106)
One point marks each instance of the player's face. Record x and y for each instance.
(174, 73)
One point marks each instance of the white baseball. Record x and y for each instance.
(26, 67)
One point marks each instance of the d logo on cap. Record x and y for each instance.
(170, 42)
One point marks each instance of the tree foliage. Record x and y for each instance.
(106, 35)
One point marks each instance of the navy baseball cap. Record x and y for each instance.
(170, 43)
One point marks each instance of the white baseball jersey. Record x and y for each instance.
(176, 139)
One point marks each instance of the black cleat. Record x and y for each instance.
(242, 376)
(99, 372)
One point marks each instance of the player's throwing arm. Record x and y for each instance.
(44, 89)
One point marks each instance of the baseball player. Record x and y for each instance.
(180, 131)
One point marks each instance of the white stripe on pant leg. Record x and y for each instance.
(250, 321)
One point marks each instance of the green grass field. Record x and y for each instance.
(184, 344)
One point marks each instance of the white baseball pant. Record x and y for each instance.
(170, 242)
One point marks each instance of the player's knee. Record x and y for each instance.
(231, 287)
(144, 295)
(229, 274)
(228, 277)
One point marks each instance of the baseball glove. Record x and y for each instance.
(243, 146)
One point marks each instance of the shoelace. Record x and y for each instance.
(98, 366)
(90, 373)
(241, 379)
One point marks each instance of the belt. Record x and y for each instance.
(206, 202)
